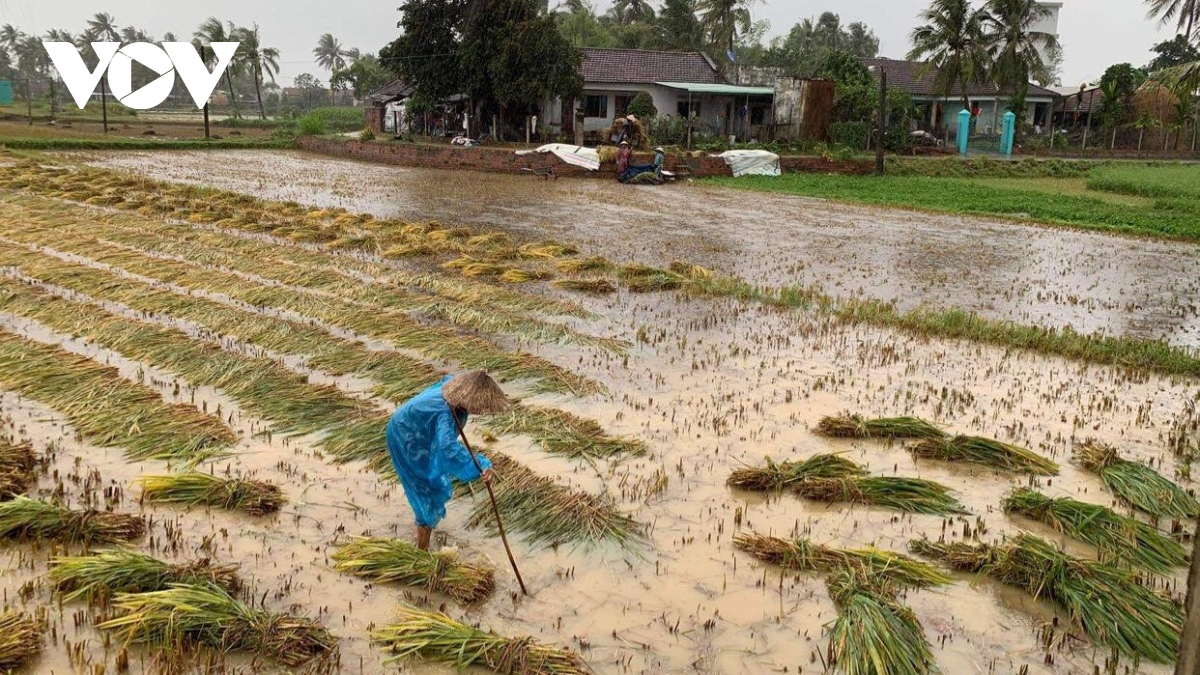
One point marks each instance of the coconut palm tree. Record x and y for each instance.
(632, 11)
(10, 36)
(1015, 47)
(1185, 14)
(724, 19)
(213, 30)
(332, 57)
(104, 27)
(257, 60)
(951, 40)
(131, 34)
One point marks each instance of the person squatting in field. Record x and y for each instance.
(423, 441)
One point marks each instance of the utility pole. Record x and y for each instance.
(104, 104)
(1189, 646)
(882, 122)
(29, 98)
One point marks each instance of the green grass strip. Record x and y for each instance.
(955, 324)
(105, 408)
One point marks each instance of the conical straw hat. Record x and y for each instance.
(476, 392)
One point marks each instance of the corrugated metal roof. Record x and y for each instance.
(725, 89)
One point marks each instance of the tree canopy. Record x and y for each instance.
(505, 54)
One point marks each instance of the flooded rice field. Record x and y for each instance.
(1026, 273)
(290, 346)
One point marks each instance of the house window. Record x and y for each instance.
(685, 109)
(595, 105)
(623, 101)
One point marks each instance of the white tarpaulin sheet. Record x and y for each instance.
(751, 162)
(588, 158)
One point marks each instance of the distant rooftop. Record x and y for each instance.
(638, 66)
(917, 79)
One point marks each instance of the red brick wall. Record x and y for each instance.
(505, 160)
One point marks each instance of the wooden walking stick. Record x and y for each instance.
(492, 496)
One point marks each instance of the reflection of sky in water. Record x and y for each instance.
(1048, 276)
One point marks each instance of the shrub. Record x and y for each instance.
(850, 134)
(366, 135)
(312, 124)
(642, 106)
(341, 119)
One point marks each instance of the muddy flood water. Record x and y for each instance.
(1047, 276)
(711, 386)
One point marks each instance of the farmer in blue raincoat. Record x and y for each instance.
(423, 441)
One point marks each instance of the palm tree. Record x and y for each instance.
(332, 57)
(57, 35)
(632, 11)
(723, 19)
(951, 40)
(257, 60)
(212, 30)
(1016, 48)
(104, 27)
(1185, 13)
(10, 36)
(131, 34)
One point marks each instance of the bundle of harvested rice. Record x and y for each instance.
(206, 614)
(855, 426)
(640, 278)
(913, 495)
(30, 519)
(433, 635)
(777, 476)
(393, 560)
(195, 488)
(20, 638)
(1120, 538)
(594, 285)
(690, 270)
(16, 469)
(805, 556)
(561, 433)
(1136, 483)
(874, 634)
(984, 451)
(1107, 602)
(546, 250)
(100, 576)
(594, 263)
(483, 269)
(549, 513)
(521, 275)
(412, 251)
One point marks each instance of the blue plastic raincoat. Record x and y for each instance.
(426, 453)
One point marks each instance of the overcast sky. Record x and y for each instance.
(1094, 33)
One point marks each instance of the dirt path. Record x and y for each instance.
(1030, 274)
